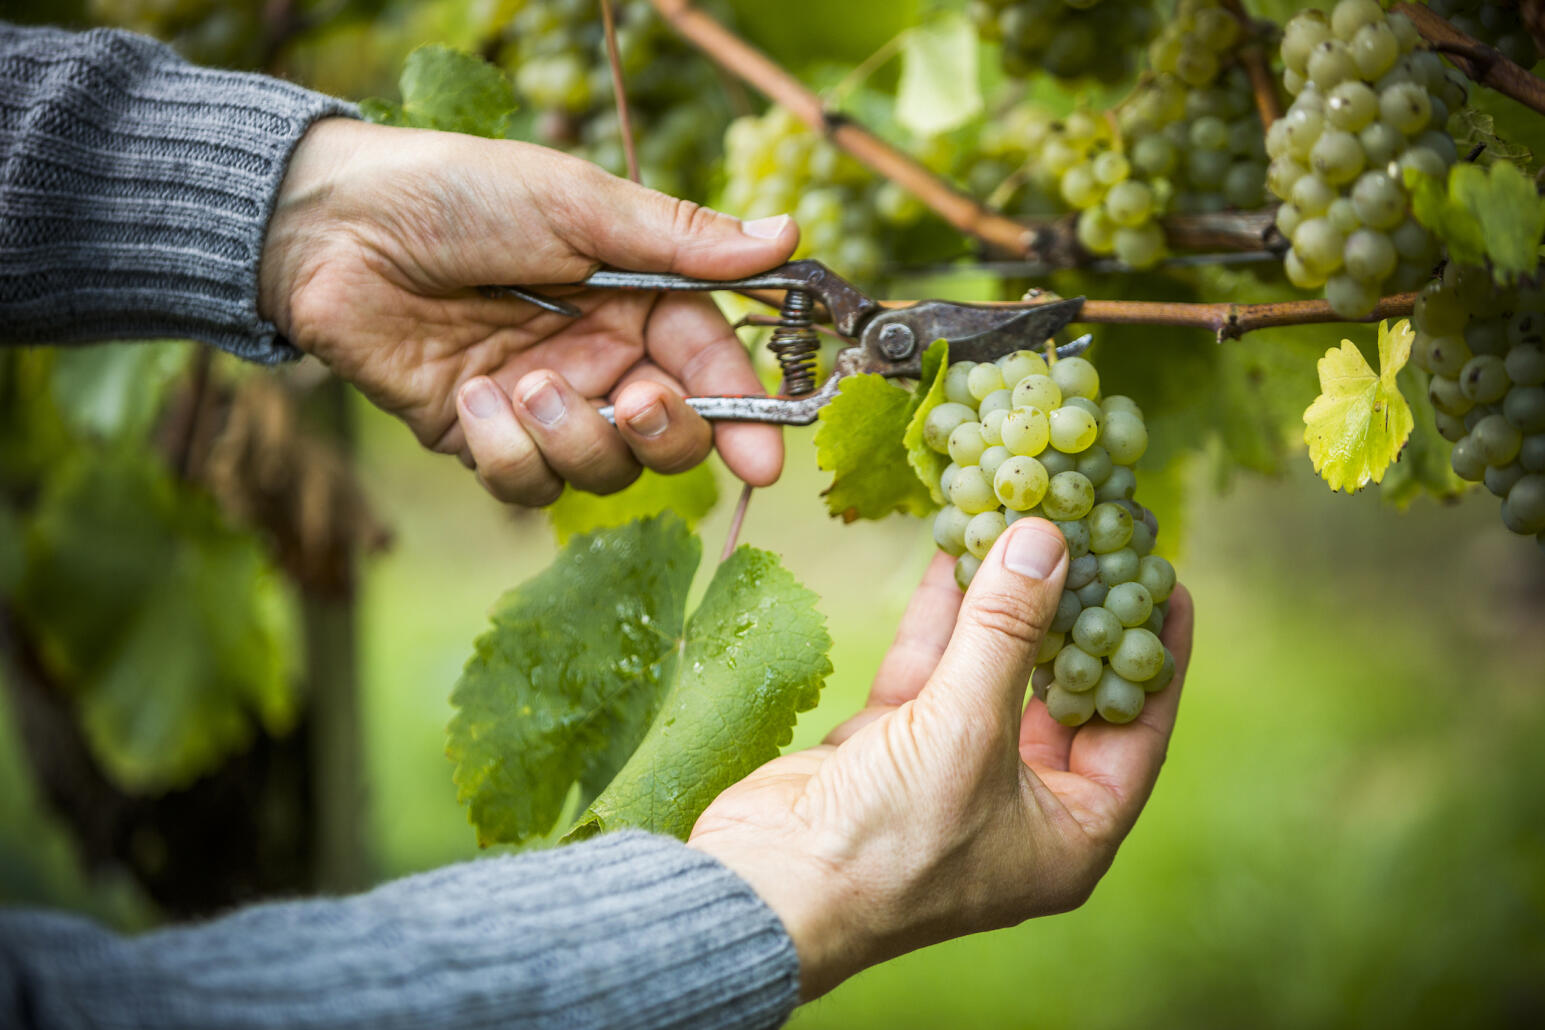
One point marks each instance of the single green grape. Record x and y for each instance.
(1129, 602)
(1117, 699)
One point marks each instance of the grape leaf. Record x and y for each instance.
(116, 389)
(939, 88)
(444, 88)
(569, 681)
(754, 656)
(1472, 127)
(928, 463)
(1358, 424)
(690, 495)
(859, 441)
(1423, 466)
(1483, 213)
(184, 644)
(563, 687)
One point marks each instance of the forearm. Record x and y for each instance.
(136, 189)
(628, 930)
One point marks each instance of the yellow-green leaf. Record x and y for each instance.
(450, 90)
(1359, 422)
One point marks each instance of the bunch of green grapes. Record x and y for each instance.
(1492, 21)
(1194, 125)
(1367, 105)
(775, 164)
(1027, 439)
(558, 54)
(1068, 38)
(1484, 347)
(1189, 140)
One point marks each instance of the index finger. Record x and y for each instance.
(688, 337)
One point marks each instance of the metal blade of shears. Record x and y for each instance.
(897, 337)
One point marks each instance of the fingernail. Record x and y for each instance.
(480, 398)
(1033, 553)
(651, 421)
(544, 403)
(769, 228)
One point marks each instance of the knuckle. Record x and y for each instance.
(1006, 617)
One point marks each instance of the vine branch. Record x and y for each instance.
(619, 90)
(1478, 61)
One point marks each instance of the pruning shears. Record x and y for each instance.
(887, 340)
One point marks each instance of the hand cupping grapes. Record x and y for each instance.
(1026, 439)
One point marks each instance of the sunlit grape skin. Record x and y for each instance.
(1111, 596)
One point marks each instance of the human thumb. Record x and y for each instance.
(1012, 600)
(624, 225)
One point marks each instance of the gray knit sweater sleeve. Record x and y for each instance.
(626, 930)
(135, 190)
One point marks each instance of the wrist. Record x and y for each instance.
(819, 910)
(300, 218)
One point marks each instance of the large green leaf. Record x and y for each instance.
(571, 678)
(447, 89)
(939, 89)
(563, 687)
(690, 494)
(754, 656)
(168, 625)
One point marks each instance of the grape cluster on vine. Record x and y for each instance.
(1068, 38)
(557, 52)
(1497, 22)
(1028, 439)
(1484, 347)
(774, 164)
(1367, 105)
(1189, 139)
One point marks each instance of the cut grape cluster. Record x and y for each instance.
(775, 164)
(1068, 38)
(676, 104)
(1484, 347)
(1025, 439)
(1367, 105)
(1492, 21)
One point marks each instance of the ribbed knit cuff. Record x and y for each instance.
(135, 190)
(628, 930)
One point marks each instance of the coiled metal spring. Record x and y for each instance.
(796, 344)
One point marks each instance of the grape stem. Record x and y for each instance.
(619, 90)
(1478, 61)
(1052, 241)
(735, 523)
(1257, 64)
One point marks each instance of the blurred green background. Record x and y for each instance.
(1351, 827)
(1350, 830)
